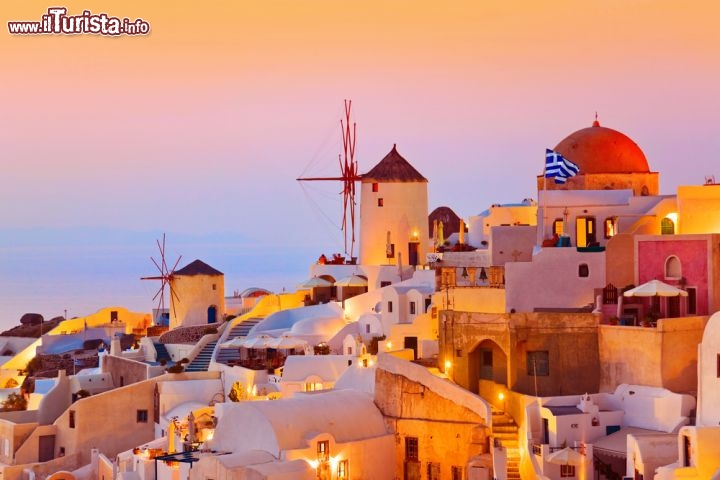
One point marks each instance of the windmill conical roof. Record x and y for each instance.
(393, 168)
(198, 267)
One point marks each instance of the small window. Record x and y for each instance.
(375, 187)
(411, 449)
(381, 202)
(691, 300)
(567, 471)
(412, 308)
(323, 451)
(457, 473)
(214, 286)
(718, 366)
(389, 307)
(583, 270)
(433, 471)
(558, 226)
(538, 363)
(343, 472)
(384, 283)
(610, 227)
(71, 419)
(667, 227)
(142, 416)
(390, 250)
(367, 328)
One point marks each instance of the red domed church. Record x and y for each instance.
(608, 160)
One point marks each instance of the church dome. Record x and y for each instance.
(603, 150)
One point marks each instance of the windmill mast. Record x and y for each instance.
(348, 176)
(165, 276)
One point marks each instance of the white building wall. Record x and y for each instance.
(536, 284)
(708, 412)
(479, 226)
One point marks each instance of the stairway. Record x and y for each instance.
(505, 430)
(202, 361)
(227, 355)
(162, 353)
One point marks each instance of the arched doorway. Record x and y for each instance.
(487, 363)
(212, 314)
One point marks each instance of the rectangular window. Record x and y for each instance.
(558, 226)
(375, 187)
(384, 283)
(71, 418)
(718, 368)
(390, 250)
(142, 416)
(567, 471)
(323, 451)
(457, 473)
(411, 449)
(584, 231)
(538, 363)
(691, 300)
(412, 308)
(610, 229)
(389, 307)
(343, 472)
(367, 328)
(433, 471)
(381, 202)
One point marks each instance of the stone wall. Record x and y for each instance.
(447, 432)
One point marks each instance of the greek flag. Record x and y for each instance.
(559, 167)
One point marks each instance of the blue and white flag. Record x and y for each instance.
(559, 167)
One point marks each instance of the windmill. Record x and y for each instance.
(349, 175)
(165, 276)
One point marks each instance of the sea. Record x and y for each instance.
(65, 277)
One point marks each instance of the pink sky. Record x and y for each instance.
(204, 124)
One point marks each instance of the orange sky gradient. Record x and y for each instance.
(205, 123)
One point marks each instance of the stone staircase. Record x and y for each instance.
(231, 355)
(162, 353)
(202, 361)
(505, 430)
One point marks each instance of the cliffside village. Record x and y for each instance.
(572, 336)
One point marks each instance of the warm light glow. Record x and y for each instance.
(210, 435)
(370, 363)
(334, 462)
(501, 396)
(388, 345)
(313, 463)
(672, 216)
(415, 234)
(448, 365)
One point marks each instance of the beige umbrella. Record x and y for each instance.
(257, 342)
(315, 282)
(565, 456)
(287, 342)
(435, 232)
(461, 232)
(352, 281)
(655, 288)
(441, 234)
(234, 343)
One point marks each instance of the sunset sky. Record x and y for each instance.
(204, 124)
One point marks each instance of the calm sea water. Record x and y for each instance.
(81, 279)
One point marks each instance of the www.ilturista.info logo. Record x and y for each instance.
(58, 22)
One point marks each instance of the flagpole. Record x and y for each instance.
(544, 204)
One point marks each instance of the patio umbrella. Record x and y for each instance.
(315, 282)
(234, 343)
(352, 281)
(565, 456)
(441, 234)
(655, 288)
(461, 232)
(257, 342)
(287, 342)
